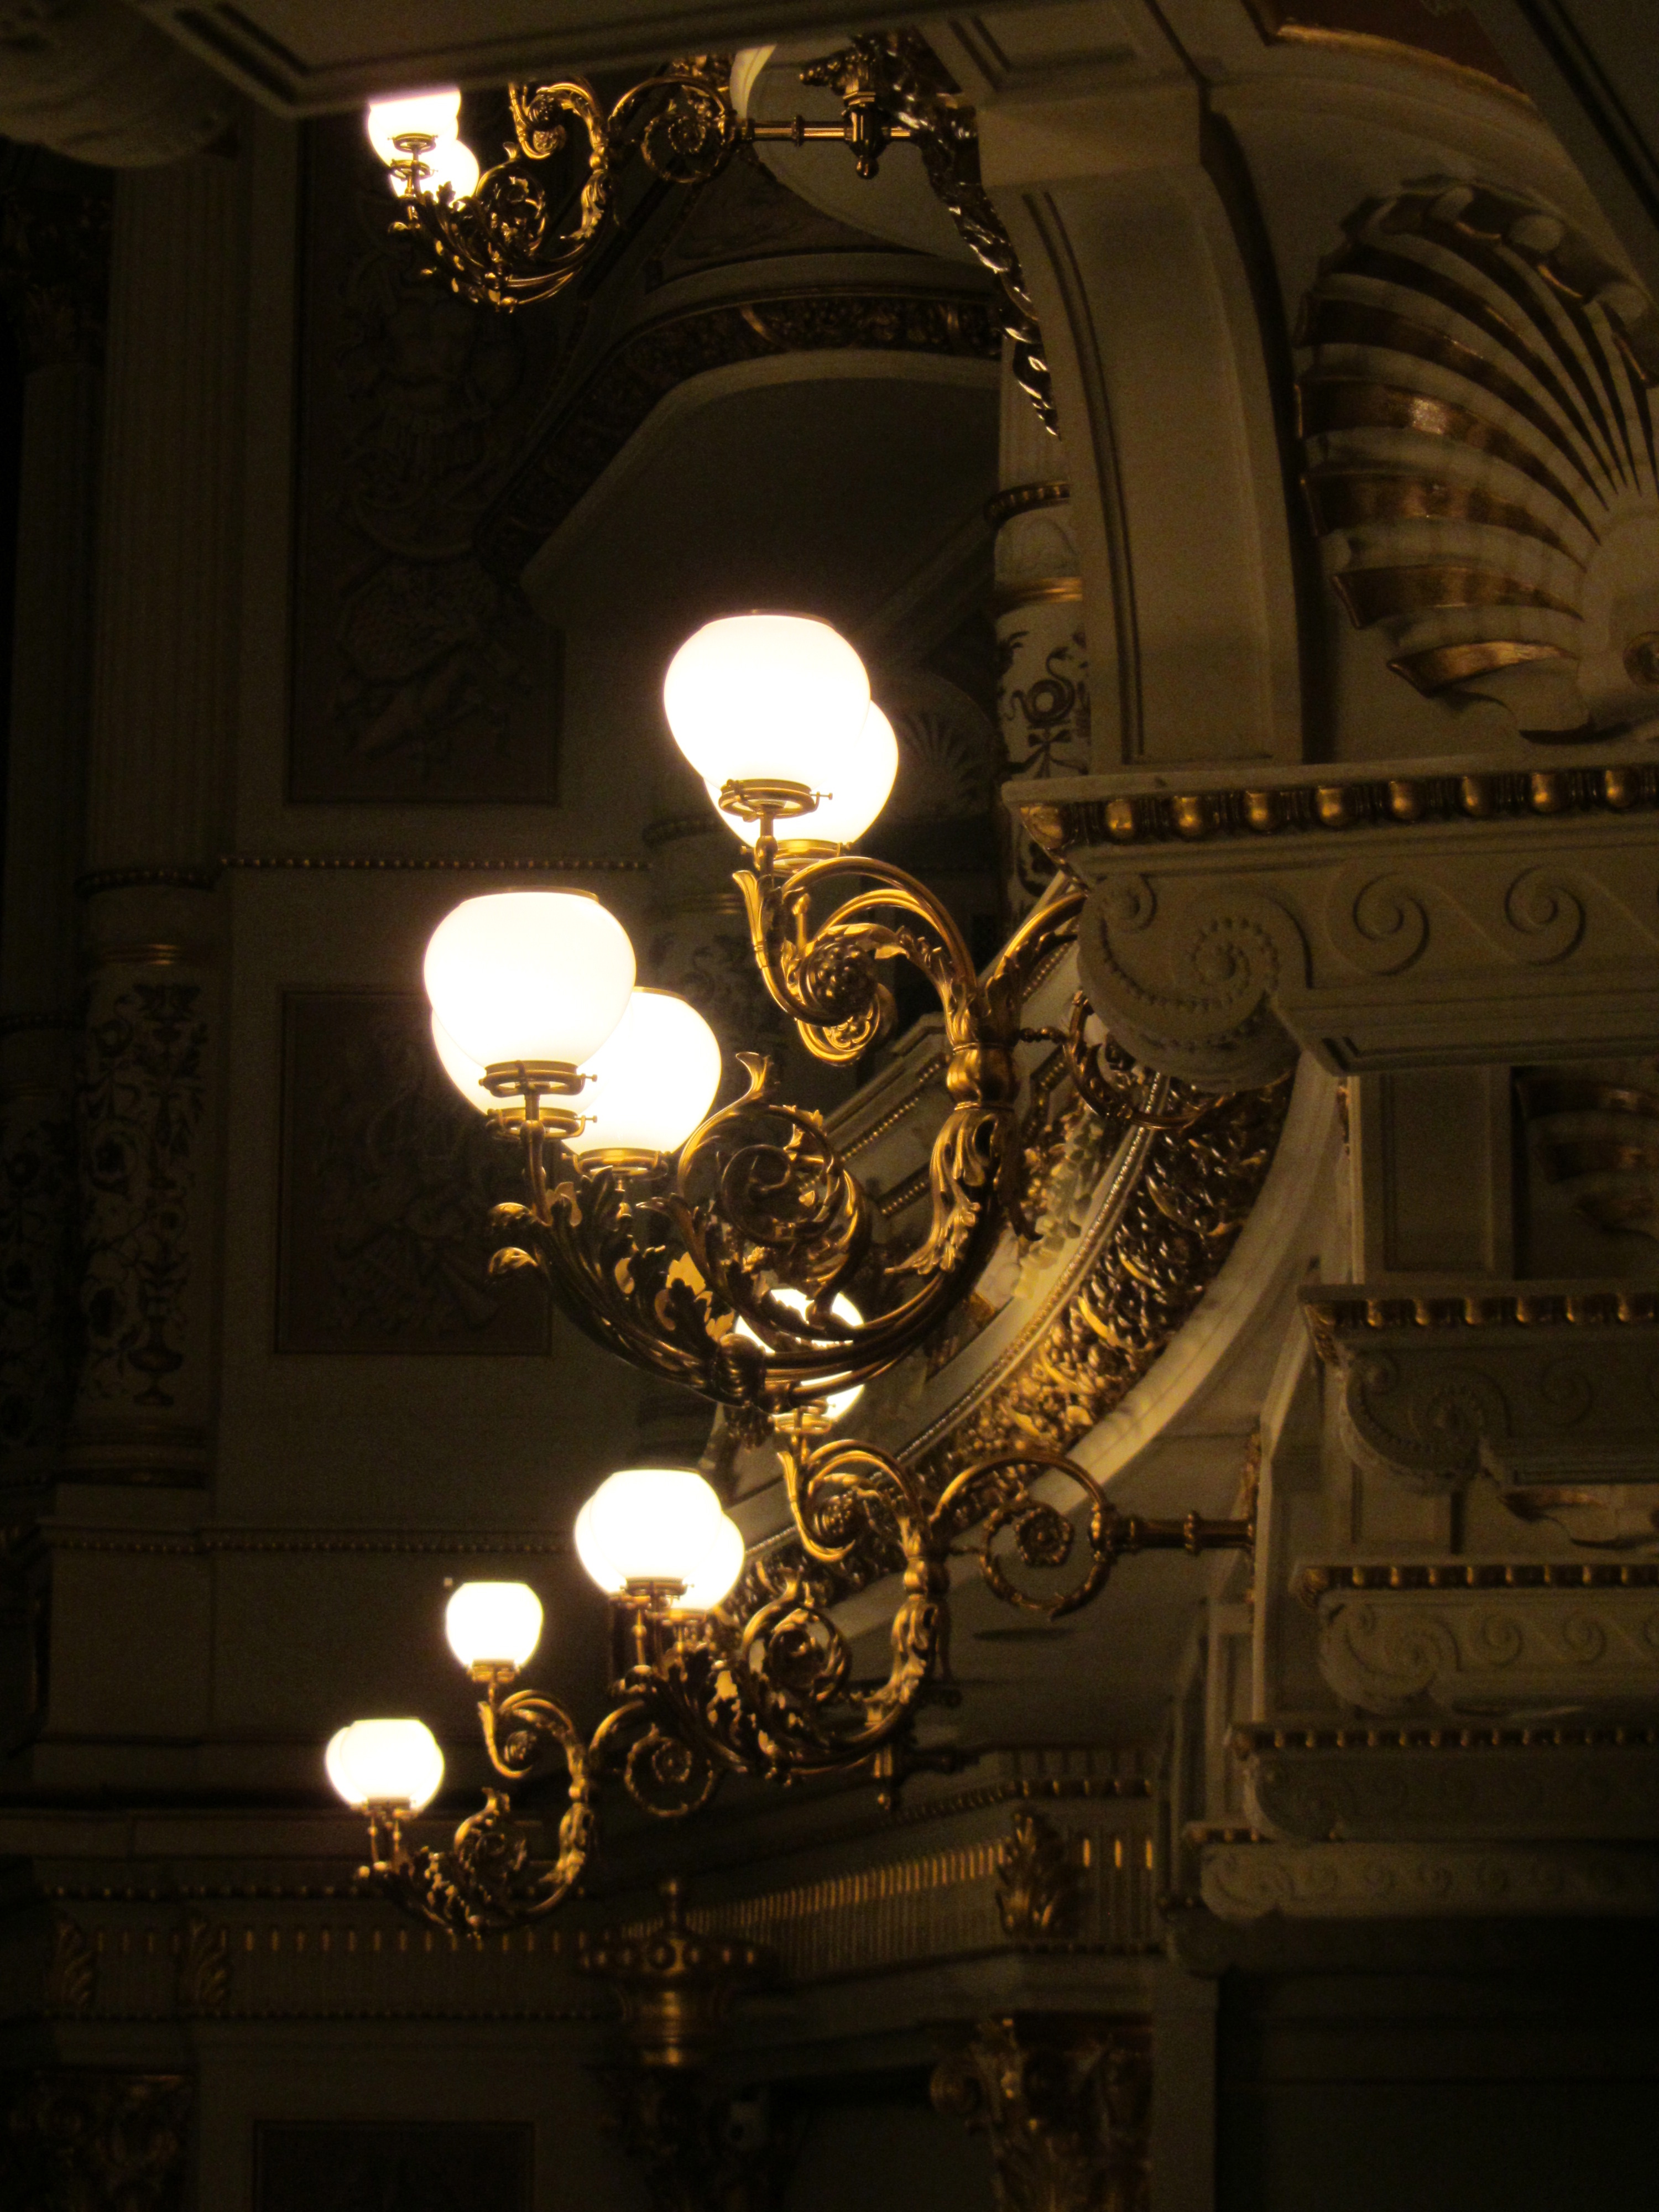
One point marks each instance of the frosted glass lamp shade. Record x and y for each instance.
(456, 165)
(765, 698)
(391, 1764)
(494, 1623)
(463, 1071)
(857, 785)
(658, 1524)
(529, 976)
(838, 1401)
(652, 1079)
(434, 115)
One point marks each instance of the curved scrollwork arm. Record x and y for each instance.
(769, 1692)
(486, 1879)
(676, 1264)
(1000, 1494)
(499, 246)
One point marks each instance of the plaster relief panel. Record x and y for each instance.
(387, 1180)
(417, 673)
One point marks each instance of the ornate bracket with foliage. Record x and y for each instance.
(770, 1692)
(503, 246)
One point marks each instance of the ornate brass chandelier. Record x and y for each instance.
(496, 236)
(738, 1252)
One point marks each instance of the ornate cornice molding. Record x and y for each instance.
(1505, 1642)
(1383, 1881)
(1426, 1782)
(1531, 1382)
(1427, 913)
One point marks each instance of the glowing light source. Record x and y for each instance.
(494, 1623)
(652, 1079)
(540, 976)
(385, 1764)
(768, 698)
(660, 1524)
(838, 1401)
(434, 115)
(861, 779)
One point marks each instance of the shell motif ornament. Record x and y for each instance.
(1477, 417)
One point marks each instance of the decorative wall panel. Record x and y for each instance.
(417, 675)
(387, 1179)
(411, 2166)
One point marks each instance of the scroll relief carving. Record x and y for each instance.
(1436, 1387)
(1448, 1783)
(1323, 1881)
(1447, 916)
(1479, 441)
(1490, 1651)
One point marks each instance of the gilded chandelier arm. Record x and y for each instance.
(486, 1880)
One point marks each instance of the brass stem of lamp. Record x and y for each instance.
(534, 1082)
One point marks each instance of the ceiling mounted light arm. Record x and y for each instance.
(494, 235)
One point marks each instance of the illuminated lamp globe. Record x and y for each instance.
(395, 1765)
(465, 1073)
(434, 115)
(537, 976)
(720, 1562)
(861, 781)
(767, 698)
(650, 1524)
(494, 1623)
(838, 1401)
(456, 165)
(652, 1079)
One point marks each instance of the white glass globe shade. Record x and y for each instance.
(652, 1079)
(493, 1624)
(653, 1524)
(529, 976)
(721, 1564)
(465, 1073)
(435, 115)
(838, 1401)
(392, 1763)
(772, 697)
(861, 781)
(714, 1560)
(455, 165)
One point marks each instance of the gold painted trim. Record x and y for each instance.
(895, 1115)
(1313, 1583)
(569, 865)
(1331, 1316)
(1042, 592)
(1026, 498)
(1373, 802)
(1255, 1741)
(161, 879)
(138, 955)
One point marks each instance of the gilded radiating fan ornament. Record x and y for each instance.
(1477, 419)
